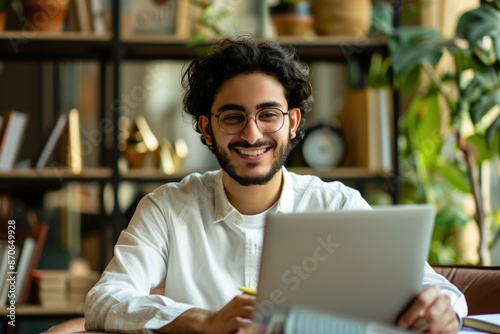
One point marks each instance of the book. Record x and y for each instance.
(11, 137)
(22, 268)
(379, 129)
(74, 157)
(51, 287)
(58, 287)
(82, 14)
(365, 120)
(489, 323)
(82, 282)
(43, 229)
(299, 320)
(54, 137)
(51, 280)
(100, 12)
(3, 270)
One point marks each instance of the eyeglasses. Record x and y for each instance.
(268, 120)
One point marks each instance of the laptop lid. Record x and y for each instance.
(363, 264)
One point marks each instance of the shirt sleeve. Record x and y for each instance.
(457, 298)
(121, 300)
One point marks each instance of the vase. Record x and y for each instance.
(44, 15)
(342, 18)
(292, 19)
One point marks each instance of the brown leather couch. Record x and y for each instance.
(480, 285)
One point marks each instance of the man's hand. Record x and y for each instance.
(431, 312)
(232, 318)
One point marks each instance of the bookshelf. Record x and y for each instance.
(112, 49)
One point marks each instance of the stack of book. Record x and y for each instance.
(51, 286)
(79, 286)
(59, 288)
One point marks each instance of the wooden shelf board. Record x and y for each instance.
(35, 310)
(158, 175)
(153, 38)
(317, 47)
(329, 174)
(56, 173)
(342, 172)
(331, 40)
(24, 45)
(63, 36)
(296, 40)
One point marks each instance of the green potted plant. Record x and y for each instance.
(451, 129)
(212, 20)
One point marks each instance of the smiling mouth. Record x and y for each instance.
(252, 153)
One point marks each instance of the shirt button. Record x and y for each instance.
(253, 285)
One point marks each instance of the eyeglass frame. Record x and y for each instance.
(254, 118)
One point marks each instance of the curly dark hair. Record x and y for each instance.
(230, 57)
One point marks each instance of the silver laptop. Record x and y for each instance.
(360, 264)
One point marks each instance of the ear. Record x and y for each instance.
(295, 117)
(205, 128)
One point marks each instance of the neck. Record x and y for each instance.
(251, 200)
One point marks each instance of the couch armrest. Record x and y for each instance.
(479, 284)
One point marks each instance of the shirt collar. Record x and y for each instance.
(223, 209)
(285, 202)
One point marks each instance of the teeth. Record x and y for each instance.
(252, 152)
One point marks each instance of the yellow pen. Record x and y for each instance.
(248, 291)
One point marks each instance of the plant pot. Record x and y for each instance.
(45, 15)
(292, 19)
(342, 18)
(292, 24)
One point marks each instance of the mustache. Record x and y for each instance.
(245, 144)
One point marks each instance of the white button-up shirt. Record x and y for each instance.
(187, 237)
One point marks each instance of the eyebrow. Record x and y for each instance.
(241, 108)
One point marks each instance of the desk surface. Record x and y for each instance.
(495, 318)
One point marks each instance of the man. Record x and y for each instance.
(201, 238)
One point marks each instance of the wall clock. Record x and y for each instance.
(323, 147)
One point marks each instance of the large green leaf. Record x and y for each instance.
(381, 20)
(427, 129)
(410, 118)
(483, 105)
(409, 81)
(482, 152)
(411, 46)
(493, 3)
(478, 23)
(451, 216)
(493, 137)
(456, 177)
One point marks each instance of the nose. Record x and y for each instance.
(251, 133)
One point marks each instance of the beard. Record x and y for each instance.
(279, 160)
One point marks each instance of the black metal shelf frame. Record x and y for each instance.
(113, 51)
